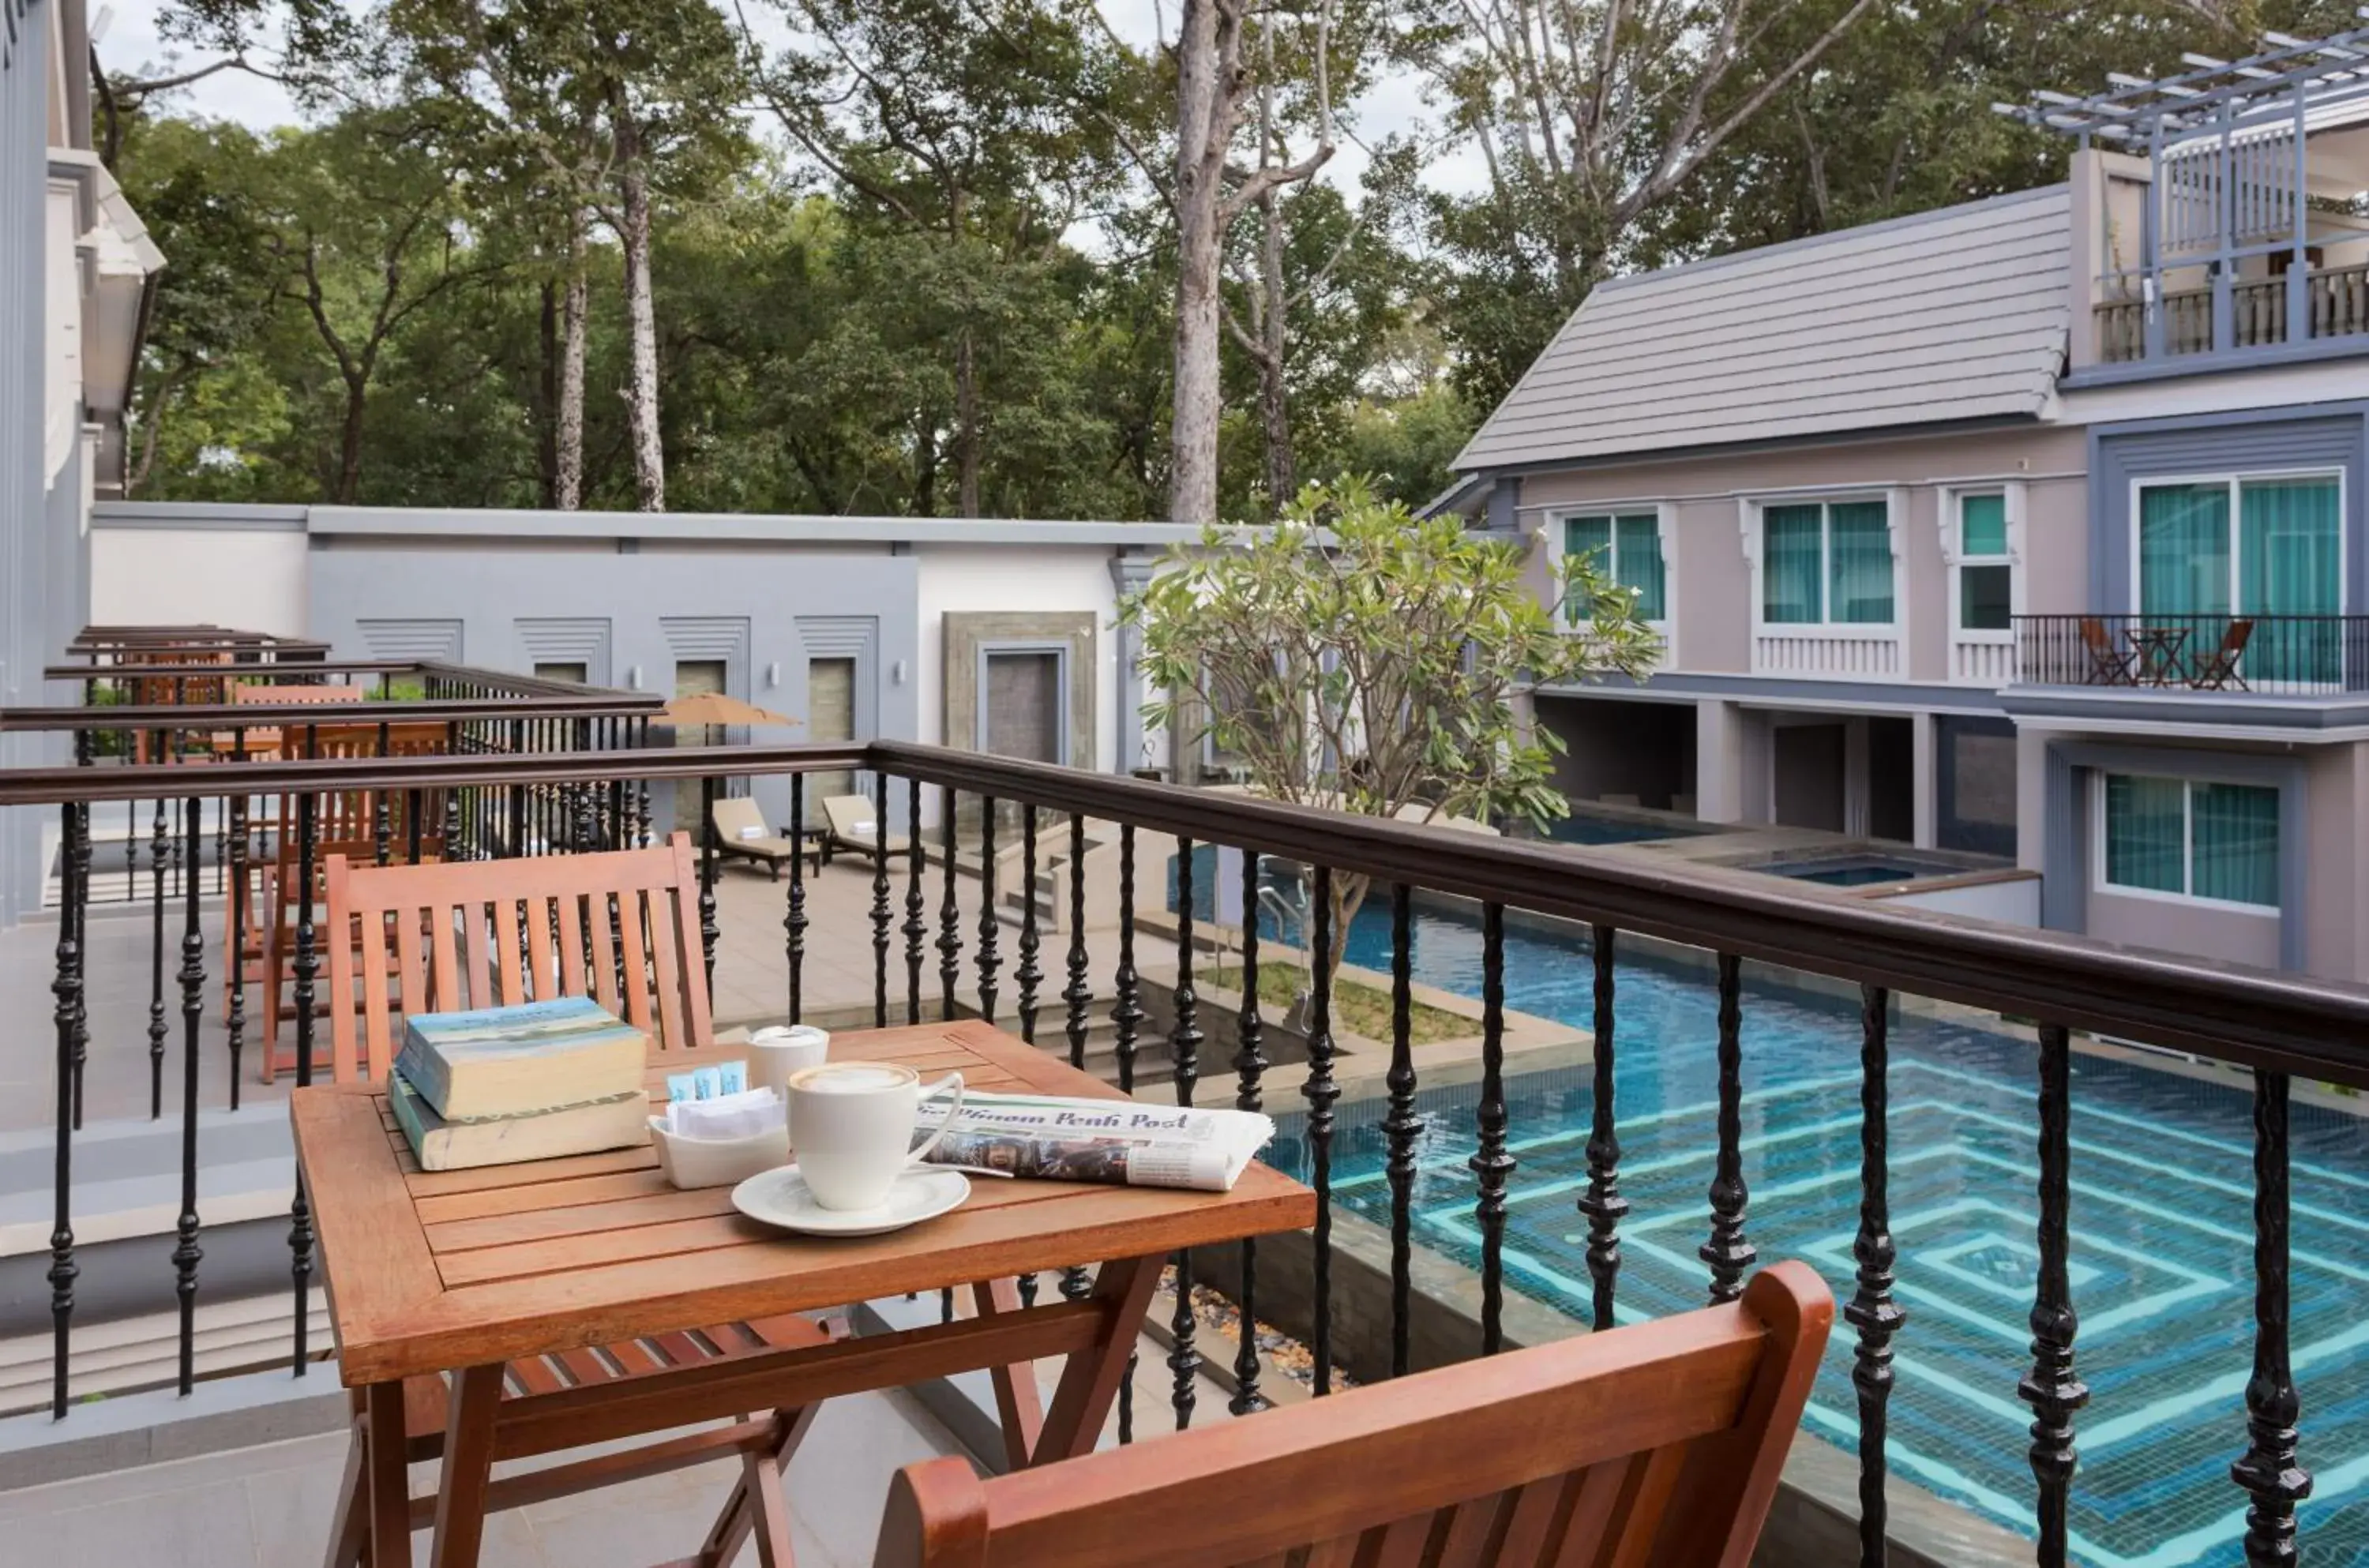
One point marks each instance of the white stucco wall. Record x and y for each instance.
(1018, 577)
(249, 578)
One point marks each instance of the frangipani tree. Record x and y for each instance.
(1359, 658)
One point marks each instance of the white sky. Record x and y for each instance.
(131, 42)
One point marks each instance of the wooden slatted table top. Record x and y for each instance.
(429, 1271)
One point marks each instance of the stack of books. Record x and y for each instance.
(532, 1081)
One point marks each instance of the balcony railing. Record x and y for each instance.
(2289, 655)
(2337, 305)
(923, 947)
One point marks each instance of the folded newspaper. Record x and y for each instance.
(1118, 1141)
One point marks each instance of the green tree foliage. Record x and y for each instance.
(922, 256)
(1357, 656)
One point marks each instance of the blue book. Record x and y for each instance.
(512, 1061)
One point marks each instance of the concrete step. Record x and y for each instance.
(132, 1353)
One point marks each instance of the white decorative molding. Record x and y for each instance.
(568, 639)
(1830, 650)
(417, 640)
(1549, 533)
(1982, 658)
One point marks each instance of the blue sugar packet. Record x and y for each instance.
(679, 1086)
(733, 1076)
(706, 1084)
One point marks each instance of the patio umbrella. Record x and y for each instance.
(716, 708)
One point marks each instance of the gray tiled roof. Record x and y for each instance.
(1954, 315)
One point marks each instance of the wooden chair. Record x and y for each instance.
(623, 927)
(344, 822)
(1656, 1446)
(2217, 670)
(2109, 665)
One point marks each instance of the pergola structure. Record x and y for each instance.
(2257, 168)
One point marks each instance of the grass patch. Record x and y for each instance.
(1358, 1008)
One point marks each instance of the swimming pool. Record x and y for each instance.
(2161, 1222)
(1582, 827)
(1856, 870)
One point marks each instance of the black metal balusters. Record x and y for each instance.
(949, 912)
(157, 1028)
(1491, 1163)
(1077, 995)
(1029, 976)
(307, 963)
(1402, 1126)
(193, 1006)
(881, 918)
(2272, 1478)
(67, 988)
(917, 928)
(1727, 1252)
(1250, 1066)
(1871, 1309)
(1126, 1017)
(794, 921)
(1602, 1203)
(235, 1024)
(2051, 1389)
(1184, 1066)
(986, 961)
(1127, 1007)
(707, 878)
(1321, 1093)
(382, 825)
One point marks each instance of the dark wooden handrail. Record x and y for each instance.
(260, 715)
(2260, 1018)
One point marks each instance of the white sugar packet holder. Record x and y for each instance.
(714, 1142)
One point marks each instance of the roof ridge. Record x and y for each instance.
(1806, 242)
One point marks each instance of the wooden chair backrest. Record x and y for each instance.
(2094, 638)
(296, 694)
(620, 926)
(346, 821)
(2234, 639)
(1650, 1447)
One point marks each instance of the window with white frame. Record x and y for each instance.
(1827, 563)
(1625, 548)
(1986, 590)
(2189, 838)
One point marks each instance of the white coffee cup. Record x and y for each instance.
(777, 1051)
(851, 1128)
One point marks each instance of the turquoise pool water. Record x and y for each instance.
(2162, 1235)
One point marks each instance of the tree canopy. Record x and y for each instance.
(938, 256)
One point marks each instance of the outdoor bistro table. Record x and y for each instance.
(2158, 649)
(463, 1271)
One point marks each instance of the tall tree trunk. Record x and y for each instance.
(1275, 403)
(1204, 125)
(641, 315)
(350, 442)
(546, 400)
(567, 491)
(967, 446)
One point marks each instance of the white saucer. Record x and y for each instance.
(780, 1196)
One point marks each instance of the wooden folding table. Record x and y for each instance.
(466, 1270)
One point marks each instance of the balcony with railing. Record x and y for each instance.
(2213, 212)
(2219, 653)
(2043, 1229)
(2335, 304)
